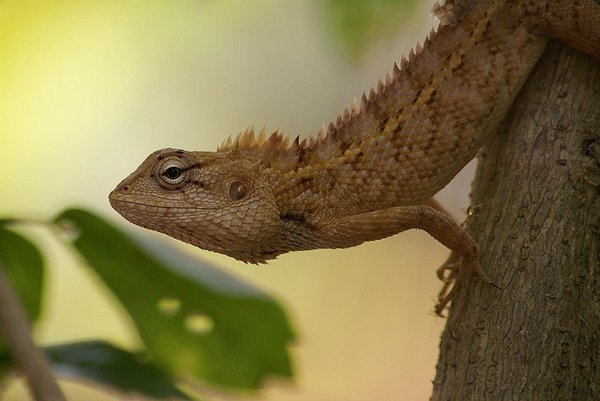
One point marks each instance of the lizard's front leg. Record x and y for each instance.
(446, 271)
(353, 230)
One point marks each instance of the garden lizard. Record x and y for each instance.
(372, 172)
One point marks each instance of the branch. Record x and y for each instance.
(30, 360)
(537, 222)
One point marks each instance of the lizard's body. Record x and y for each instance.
(372, 172)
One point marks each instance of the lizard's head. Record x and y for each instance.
(209, 199)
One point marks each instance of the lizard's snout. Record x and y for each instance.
(115, 197)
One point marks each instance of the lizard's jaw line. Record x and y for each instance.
(118, 203)
(128, 207)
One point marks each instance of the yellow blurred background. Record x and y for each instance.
(89, 88)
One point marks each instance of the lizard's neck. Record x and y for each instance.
(442, 103)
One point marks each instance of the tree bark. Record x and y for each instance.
(536, 217)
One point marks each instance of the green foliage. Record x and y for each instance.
(189, 322)
(356, 23)
(24, 267)
(194, 320)
(129, 373)
(104, 363)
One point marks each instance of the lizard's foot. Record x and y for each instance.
(446, 271)
(452, 284)
(447, 274)
(456, 292)
(457, 275)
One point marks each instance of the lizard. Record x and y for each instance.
(373, 171)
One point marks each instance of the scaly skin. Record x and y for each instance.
(372, 172)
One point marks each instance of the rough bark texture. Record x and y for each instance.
(536, 216)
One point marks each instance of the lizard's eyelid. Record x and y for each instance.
(172, 173)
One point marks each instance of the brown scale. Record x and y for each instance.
(372, 172)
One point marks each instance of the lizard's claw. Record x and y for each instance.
(447, 292)
(457, 282)
(445, 272)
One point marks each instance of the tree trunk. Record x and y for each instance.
(536, 216)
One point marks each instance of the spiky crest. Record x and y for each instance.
(276, 148)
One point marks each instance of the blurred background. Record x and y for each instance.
(89, 88)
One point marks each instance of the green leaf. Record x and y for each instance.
(192, 318)
(106, 364)
(24, 268)
(356, 23)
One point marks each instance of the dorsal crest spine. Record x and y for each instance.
(248, 140)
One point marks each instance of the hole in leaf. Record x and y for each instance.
(199, 323)
(168, 305)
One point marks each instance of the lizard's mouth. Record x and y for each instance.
(129, 204)
(132, 212)
(138, 209)
(136, 212)
(117, 200)
(133, 209)
(113, 199)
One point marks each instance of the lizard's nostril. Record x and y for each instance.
(125, 188)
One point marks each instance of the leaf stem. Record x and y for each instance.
(29, 359)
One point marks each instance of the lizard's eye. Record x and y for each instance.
(237, 190)
(172, 174)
